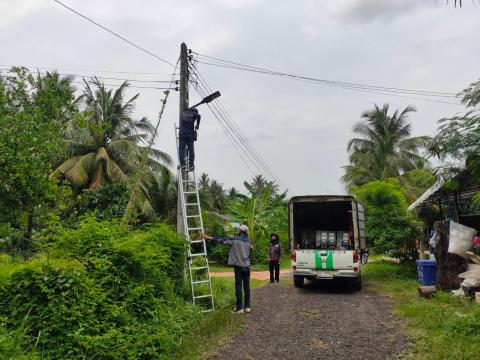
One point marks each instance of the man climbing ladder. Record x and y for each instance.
(187, 135)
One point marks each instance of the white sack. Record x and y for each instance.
(461, 239)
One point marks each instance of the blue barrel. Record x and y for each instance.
(427, 271)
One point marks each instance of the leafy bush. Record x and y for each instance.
(390, 226)
(104, 291)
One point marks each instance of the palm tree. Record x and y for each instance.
(108, 147)
(204, 181)
(232, 193)
(260, 185)
(384, 148)
(217, 195)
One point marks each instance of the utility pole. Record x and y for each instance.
(184, 75)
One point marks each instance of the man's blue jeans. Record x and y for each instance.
(242, 277)
(182, 145)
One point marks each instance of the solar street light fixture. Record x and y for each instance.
(207, 99)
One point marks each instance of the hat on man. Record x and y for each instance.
(243, 228)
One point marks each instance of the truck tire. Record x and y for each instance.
(357, 284)
(298, 281)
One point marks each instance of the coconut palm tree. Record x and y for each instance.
(232, 193)
(108, 146)
(260, 184)
(204, 181)
(217, 195)
(384, 148)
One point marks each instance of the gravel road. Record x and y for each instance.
(320, 321)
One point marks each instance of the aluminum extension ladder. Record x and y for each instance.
(196, 253)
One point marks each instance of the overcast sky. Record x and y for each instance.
(300, 129)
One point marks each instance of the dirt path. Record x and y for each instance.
(321, 321)
(258, 275)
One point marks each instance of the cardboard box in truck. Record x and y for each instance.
(327, 236)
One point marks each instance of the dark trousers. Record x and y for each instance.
(183, 144)
(274, 267)
(242, 276)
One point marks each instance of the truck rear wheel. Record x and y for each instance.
(298, 281)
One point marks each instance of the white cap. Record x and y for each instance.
(243, 228)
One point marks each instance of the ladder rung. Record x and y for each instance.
(193, 216)
(200, 282)
(186, 181)
(189, 192)
(197, 228)
(198, 254)
(196, 241)
(199, 268)
(206, 311)
(202, 296)
(191, 204)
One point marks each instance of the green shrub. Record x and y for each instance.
(105, 291)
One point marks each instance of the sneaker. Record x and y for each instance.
(247, 310)
(191, 168)
(181, 167)
(238, 310)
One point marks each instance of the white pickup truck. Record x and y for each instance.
(327, 236)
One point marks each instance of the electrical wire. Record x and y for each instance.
(90, 70)
(228, 133)
(237, 131)
(232, 129)
(113, 85)
(385, 92)
(397, 92)
(114, 33)
(240, 66)
(88, 75)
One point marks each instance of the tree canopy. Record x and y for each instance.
(384, 148)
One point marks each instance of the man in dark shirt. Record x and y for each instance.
(187, 135)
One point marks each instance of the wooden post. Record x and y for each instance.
(448, 265)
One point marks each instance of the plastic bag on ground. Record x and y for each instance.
(461, 239)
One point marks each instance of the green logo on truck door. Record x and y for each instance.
(323, 259)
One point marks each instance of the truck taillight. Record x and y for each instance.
(293, 256)
(355, 256)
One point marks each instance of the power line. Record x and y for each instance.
(385, 92)
(233, 131)
(238, 145)
(113, 85)
(229, 135)
(114, 33)
(240, 66)
(397, 92)
(90, 75)
(238, 132)
(90, 70)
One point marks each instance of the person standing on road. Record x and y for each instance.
(187, 135)
(239, 257)
(274, 255)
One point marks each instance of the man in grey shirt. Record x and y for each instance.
(239, 257)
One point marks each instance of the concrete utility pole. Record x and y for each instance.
(184, 75)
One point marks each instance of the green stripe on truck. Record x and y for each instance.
(319, 260)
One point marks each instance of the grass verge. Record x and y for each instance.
(443, 327)
(215, 328)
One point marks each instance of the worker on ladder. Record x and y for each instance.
(187, 134)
